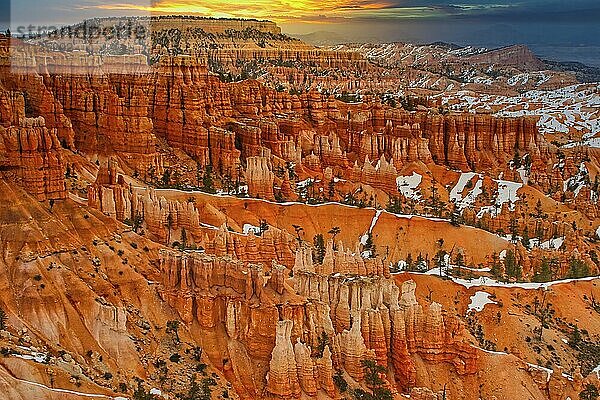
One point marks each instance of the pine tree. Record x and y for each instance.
(173, 327)
(590, 392)
(334, 232)
(495, 269)
(394, 205)
(544, 274)
(183, 239)
(510, 265)
(3, 319)
(421, 262)
(319, 252)
(435, 199)
(459, 261)
(207, 180)
(331, 189)
(578, 268)
(575, 339)
(409, 262)
(166, 178)
(517, 159)
(263, 226)
(455, 217)
(525, 239)
(513, 229)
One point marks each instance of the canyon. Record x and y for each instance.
(173, 224)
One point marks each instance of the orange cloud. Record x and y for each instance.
(276, 10)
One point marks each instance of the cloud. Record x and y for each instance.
(309, 10)
(278, 10)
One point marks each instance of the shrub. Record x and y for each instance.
(590, 392)
(340, 382)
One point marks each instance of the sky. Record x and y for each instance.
(571, 26)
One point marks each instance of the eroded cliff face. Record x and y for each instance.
(315, 323)
(269, 317)
(30, 152)
(180, 101)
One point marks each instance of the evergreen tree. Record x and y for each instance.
(137, 221)
(263, 226)
(440, 260)
(166, 178)
(554, 265)
(420, 262)
(141, 394)
(575, 339)
(394, 206)
(511, 268)
(455, 216)
(183, 239)
(544, 274)
(434, 201)
(495, 269)
(409, 262)
(331, 189)
(319, 252)
(459, 261)
(525, 239)
(173, 327)
(369, 246)
(334, 232)
(373, 373)
(207, 180)
(578, 268)
(516, 159)
(513, 229)
(3, 319)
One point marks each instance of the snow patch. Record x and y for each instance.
(479, 301)
(456, 194)
(407, 185)
(484, 281)
(247, 228)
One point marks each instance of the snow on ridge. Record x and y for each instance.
(484, 281)
(597, 371)
(66, 391)
(569, 108)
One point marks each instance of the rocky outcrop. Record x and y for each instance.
(30, 153)
(259, 178)
(335, 320)
(518, 56)
(282, 379)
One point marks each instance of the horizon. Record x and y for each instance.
(551, 29)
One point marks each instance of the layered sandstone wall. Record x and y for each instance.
(348, 317)
(30, 154)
